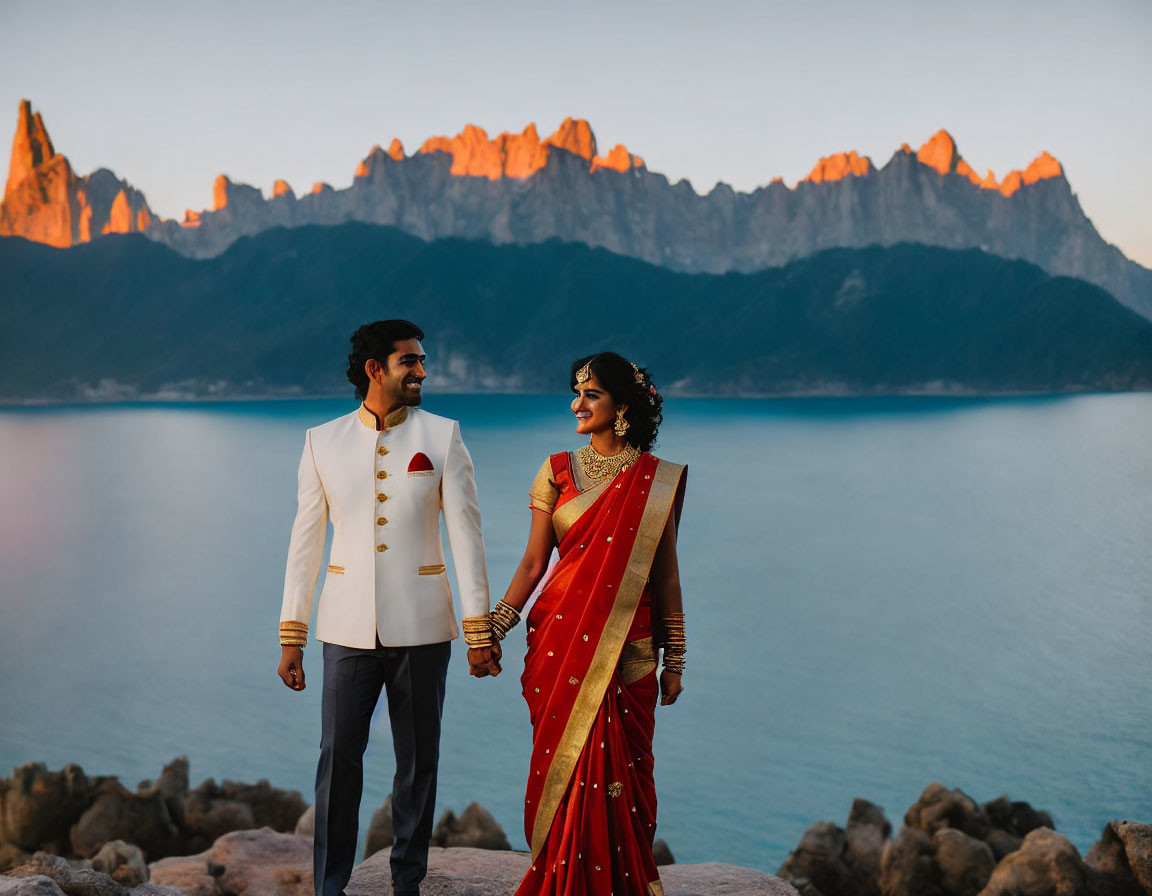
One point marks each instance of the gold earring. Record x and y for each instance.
(621, 427)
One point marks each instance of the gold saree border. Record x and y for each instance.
(661, 498)
(568, 514)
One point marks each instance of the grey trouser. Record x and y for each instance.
(414, 680)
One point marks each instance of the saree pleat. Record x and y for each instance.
(590, 806)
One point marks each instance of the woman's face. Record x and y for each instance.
(594, 408)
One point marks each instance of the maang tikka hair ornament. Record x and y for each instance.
(585, 373)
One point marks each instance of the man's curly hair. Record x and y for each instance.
(376, 340)
(631, 386)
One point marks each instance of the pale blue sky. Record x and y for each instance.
(168, 95)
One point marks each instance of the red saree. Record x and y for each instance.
(591, 687)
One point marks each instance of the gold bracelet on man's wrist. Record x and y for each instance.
(477, 631)
(504, 618)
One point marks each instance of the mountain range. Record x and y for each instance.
(521, 189)
(124, 318)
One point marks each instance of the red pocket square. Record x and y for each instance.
(420, 463)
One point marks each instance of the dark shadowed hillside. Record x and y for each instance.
(125, 317)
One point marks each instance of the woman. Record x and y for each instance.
(590, 680)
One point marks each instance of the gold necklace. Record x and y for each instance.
(597, 467)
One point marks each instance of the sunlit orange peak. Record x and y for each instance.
(320, 187)
(220, 192)
(619, 159)
(838, 166)
(281, 188)
(575, 135)
(396, 149)
(1042, 167)
(939, 152)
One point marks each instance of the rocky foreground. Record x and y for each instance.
(65, 834)
(951, 846)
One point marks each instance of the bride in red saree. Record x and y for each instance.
(590, 674)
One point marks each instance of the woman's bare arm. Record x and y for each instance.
(667, 599)
(541, 540)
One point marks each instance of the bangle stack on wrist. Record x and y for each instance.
(477, 631)
(675, 643)
(504, 618)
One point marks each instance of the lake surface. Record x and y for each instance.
(880, 593)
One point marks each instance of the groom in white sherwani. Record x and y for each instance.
(383, 475)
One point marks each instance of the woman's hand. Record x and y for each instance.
(670, 687)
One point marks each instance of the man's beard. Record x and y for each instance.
(407, 398)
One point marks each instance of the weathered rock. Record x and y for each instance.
(123, 862)
(190, 875)
(867, 832)
(306, 823)
(73, 881)
(140, 818)
(965, 863)
(36, 885)
(819, 858)
(39, 807)
(12, 856)
(1002, 843)
(1045, 865)
(907, 867)
(380, 833)
(1123, 855)
(214, 810)
(475, 827)
(172, 786)
(477, 872)
(662, 854)
(938, 807)
(262, 863)
(1016, 817)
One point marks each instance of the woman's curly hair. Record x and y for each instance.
(628, 385)
(376, 340)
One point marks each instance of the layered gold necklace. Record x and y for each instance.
(597, 467)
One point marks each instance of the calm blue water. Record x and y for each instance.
(880, 593)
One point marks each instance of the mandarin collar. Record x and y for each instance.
(391, 421)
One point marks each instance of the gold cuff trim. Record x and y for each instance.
(339, 570)
(293, 634)
(434, 570)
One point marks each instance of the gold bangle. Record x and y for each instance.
(675, 643)
(504, 617)
(477, 631)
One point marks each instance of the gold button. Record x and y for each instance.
(381, 548)
(381, 475)
(381, 497)
(380, 521)
(381, 450)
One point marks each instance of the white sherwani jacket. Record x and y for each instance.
(384, 493)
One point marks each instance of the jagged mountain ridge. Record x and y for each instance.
(272, 315)
(517, 188)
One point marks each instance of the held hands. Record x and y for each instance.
(291, 669)
(670, 687)
(484, 661)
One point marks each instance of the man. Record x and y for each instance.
(383, 474)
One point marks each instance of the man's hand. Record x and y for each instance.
(670, 687)
(484, 661)
(291, 669)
